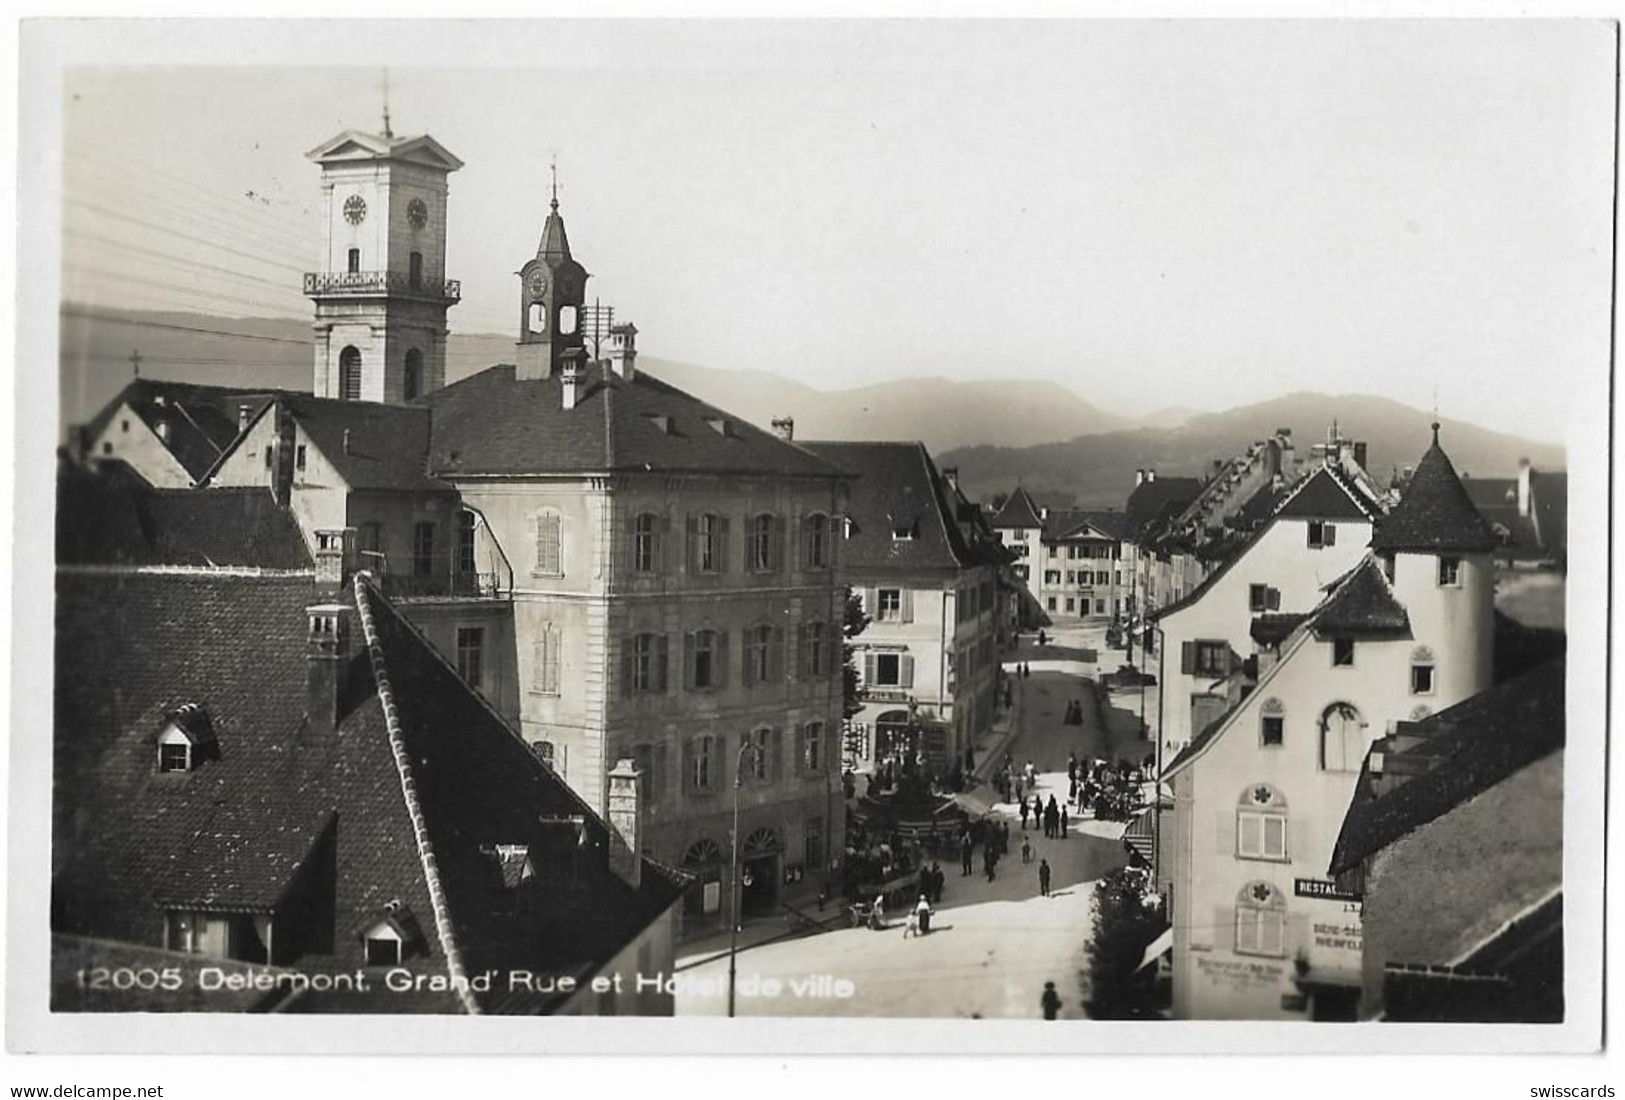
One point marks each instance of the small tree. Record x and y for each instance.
(856, 622)
(1127, 919)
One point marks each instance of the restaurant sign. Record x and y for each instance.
(1321, 888)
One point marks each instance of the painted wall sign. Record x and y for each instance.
(1321, 888)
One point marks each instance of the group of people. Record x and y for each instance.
(994, 840)
(1052, 817)
(1112, 792)
(1074, 713)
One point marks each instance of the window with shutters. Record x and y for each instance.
(811, 750)
(467, 525)
(1261, 824)
(764, 654)
(650, 761)
(549, 550)
(762, 548)
(888, 670)
(759, 761)
(646, 543)
(1321, 534)
(646, 663)
(545, 675)
(1258, 597)
(1261, 921)
(1449, 572)
(1342, 739)
(702, 763)
(422, 549)
(706, 555)
(815, 651)
(889, 605)
(706, 673)
(815, 541)
(1052, 576)
(1212, 658)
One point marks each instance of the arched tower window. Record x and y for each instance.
(412, 379)
(414, 272)
(1261, 920)
(354, 262)
(1342, 738)
(350, 373)
(536, 318)
(568, 320)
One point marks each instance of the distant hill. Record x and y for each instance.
(1097, 471)
(266, 352)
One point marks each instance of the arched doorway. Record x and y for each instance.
(1342, 738)
(704, 861)
(759, 872)
(894, 738)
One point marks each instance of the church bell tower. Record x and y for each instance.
(552, 289)
(381, 301)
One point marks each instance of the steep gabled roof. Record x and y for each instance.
(494, 424)
(1363, 603)
(200, 422)
(897, 486)
(1158, 499)
(1465, 750)
(373, 446)
(110, 516)
(1061, 525)
(1018, 511)
(1329, 494)
(1434, 513)
(402, 804)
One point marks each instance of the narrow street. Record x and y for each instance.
(992, 945)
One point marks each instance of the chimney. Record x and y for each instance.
(1150, 475)
(163, 430)
(623, 350)
(951, 475)
(327, 655)
(1043, 513)
(1524, 470)
(625, 814)
(785, 427)
(282, 456)
(1139, 477)
(1359, 455)
(346, 440)
(335, 557)
(242, 418)
(570, 377)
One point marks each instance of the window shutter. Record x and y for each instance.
(663, 560)
(692, 542)
(832, 545)
(623, 546)
(722, 544)
(660, 663)
(547, 544)
(1187, 658)
(626, 666)
(803, 655)
(555, 643)
(690, 681)
(1224, 833)
(1329, 534)
(871, 602)
(1250, 835)
(689, 763)
(905, 599)
(1247, 920)
(776, 551)
(1274, 841)
(658, 781)
(719, 761)
(775, 656)
(905, 670)
(775, 754)
(719, 662)
(1274, 599)
(747, 674)
(868, 668)
(1235, 660)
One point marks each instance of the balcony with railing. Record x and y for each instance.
(439, 578)
(369, 284)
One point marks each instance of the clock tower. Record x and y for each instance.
(552, 288)
(382, 297)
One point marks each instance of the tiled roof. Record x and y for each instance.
(1072, 524)
(1159, 498)
(281, 799)
(897, 486)
(201, 421)
(1328, 494)
(112, 517)
(1469, 748)
(1018, 511)
(1363, 603)
(1434, 512)
(492, 423)
(1259, 507)
(388, 444)
(1549, 495)
(1491, 492)
(1273, 627)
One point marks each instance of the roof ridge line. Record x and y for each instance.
(414, 808)
(1228, 719)
(938, 504)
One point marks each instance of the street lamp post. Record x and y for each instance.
(734, 907)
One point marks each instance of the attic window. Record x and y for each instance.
(186, 740)
(662, 423)
(382, 945)
(903, 533)
(393, 936)
(721, 425)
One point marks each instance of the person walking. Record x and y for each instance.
(989, 858)
(1025, 810)
(922, 913)
(1063, 822)
(966, 851)
(1043, 877)
(1051, 1001)
(937, 882)
(1026, 850)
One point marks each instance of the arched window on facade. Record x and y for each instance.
(1422, 671)
(412, 377)
(815, 541)
(414, 270)
(1342, 738)
(350, 373)
(703, 860)
(569, 318)
(536, 319)
(1261, 823)
(1261, 920)
(1272, 723)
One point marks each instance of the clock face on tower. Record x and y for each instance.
(417, 213)
(538, 283)
(355, 209)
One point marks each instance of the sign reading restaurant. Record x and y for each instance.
(1321, 888)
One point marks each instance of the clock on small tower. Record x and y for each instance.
(355, 209)
(417, 212)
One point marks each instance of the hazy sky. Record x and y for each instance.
(1155, 213)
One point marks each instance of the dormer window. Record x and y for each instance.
(395, 935)
(381, 946)
(187, 740)
(175, 756)
(903, 533)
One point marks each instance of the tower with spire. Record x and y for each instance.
(552, 290)
(1437, 549)
(382, 295)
